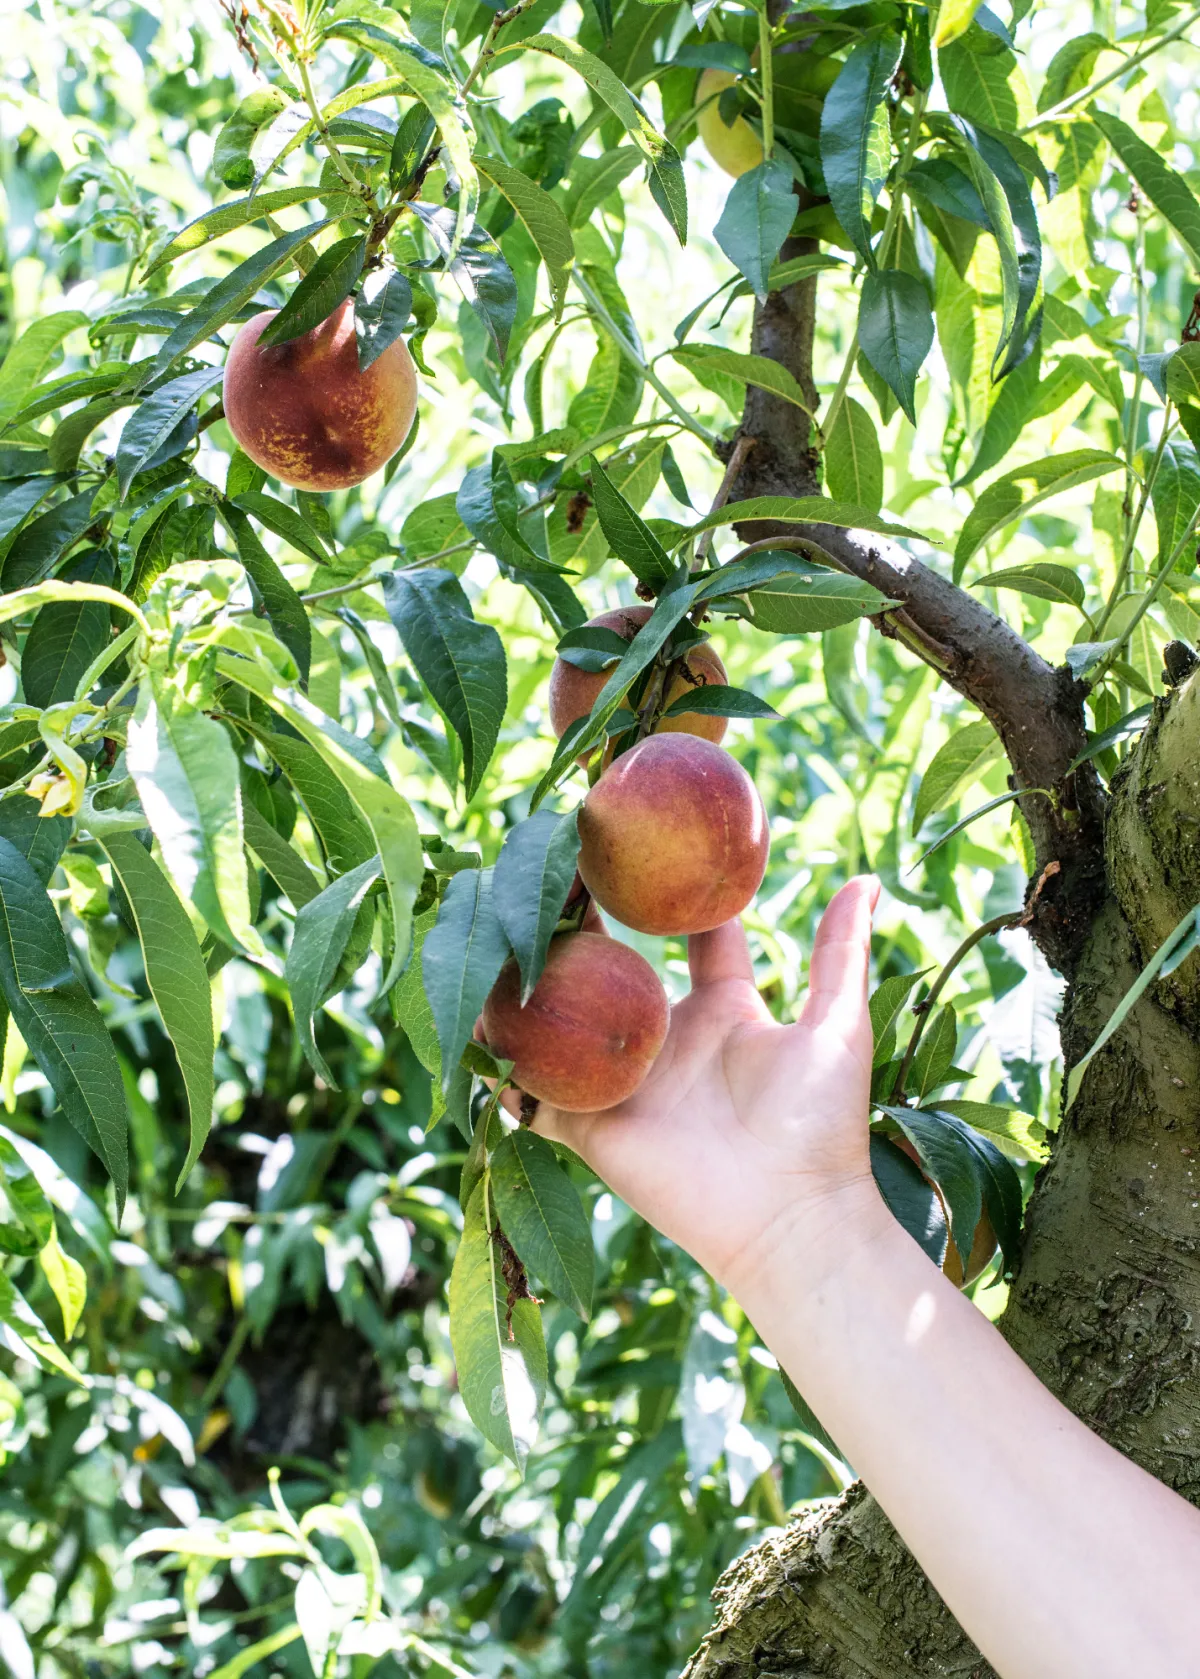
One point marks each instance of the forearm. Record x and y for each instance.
(974, 1461)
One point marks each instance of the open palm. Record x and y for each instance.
(743, 1124)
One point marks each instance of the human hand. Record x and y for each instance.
(744, 1128)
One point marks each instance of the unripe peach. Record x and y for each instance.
(590, 1032)
(305, 413)
(573, 691)
(673, 837)
(734, 147)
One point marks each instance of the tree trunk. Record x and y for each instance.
(1105, 1304)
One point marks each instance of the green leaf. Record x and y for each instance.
(66, 636)
(935, 1053)
(545, 222)
(176, 976)
(345, 838)
(281, 860)
(238, 212)
(1183, 375)
(43, 542)
(581, 543)
(801, 510)
(68, 1282)
(381, 312)
(460, 661)
(410, 1005)
(20, 1317)
(323, 928)
(460, 959)
(283, 607)
(885, 1006)
(593, 179)
(853, 458)
(1042, 579)
(1011, 1130)
(328, 282)
(971, 1173)
(666, 171)
(953, 768)
(953, 20)
(286, 522)
(1175, 495)
(57, 1018)
(27, 1199)
(630, 538)
(31, 354)
(500, 1362)
(816, 599)
(760, 371)
(756, 220)
(856, 141)
(480, 271)
(985, 86)
(223, 301)
(388, 816)
(489, 506)
(1125, 726)
(1014, 225)
(542, 1216)
(19, 501)
(231, 161)
(256, 1652)
(912, 1201)
(186, 773)
(1166, 189)
(532, 878)
(1007, 499)
(156, 418)
(41, 840)
(715, 700)
(895, 331)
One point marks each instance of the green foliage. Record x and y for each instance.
(271, 763)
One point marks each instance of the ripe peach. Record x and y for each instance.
(589, 1034)
(734, 147)
(303, 411)
(673, 836)
(573, 691)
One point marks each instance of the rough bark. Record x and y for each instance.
(1105, 1305)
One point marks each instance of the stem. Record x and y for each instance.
(1130, 63)
(995, 925)
(1134, 525)
(331, 146)
(488, 50)
(627, 350)
(1151, 595)
(768, 83)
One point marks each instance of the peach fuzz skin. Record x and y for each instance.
(590, 1032)
(303, 411)
(673, 837)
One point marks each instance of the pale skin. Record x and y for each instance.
(747, 1145)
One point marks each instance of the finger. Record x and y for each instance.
(720, 955)
(837, 972)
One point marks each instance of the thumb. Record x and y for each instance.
(841, 956)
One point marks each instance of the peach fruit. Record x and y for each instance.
(573, 691)
(673, 837)
(590, 1032)
(734, 147)
(303, 411)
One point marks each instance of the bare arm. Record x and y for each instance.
(748, 1146)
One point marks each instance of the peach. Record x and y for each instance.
(590, 1032)
(303, 411)
(573, 691)
(734, 147)
(673, 837)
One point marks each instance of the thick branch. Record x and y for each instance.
(1036, 709)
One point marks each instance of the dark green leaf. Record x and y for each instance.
(540, 1213)
(1125, 726)
(323, 928)
(381, 312)
(44, 540)
(953, 768)
(757, 218)
(913, 1201)
(227, 218)
(630, 538)
(532, 879)
(176, 976)
(1042, 579)
(1006, 498)
(281, 860)
(67, 635)
(328, 282)
(856, 143)
(157, 417)
(281, 604)
(853, 458)
(1166, 189)
(546, 224)
(460, 959)
(57, 1019)
(286, 522)
(460, 661)
(895, 330)
(715, 700)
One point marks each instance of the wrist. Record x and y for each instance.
(809, 1239)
